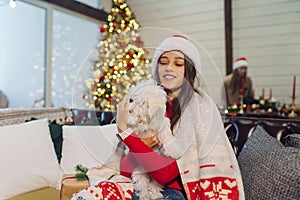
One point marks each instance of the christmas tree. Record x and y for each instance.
(122, 60)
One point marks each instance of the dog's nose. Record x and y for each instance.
(130, 100)
(160, 85)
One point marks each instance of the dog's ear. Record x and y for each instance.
(142, 108)
(156, 112)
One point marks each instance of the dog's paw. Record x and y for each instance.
(156, 194)
(154, 190)
(145, 195)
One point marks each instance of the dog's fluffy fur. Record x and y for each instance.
(147, 107)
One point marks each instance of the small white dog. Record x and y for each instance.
(147, 107)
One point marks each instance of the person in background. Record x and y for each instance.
(237, 84)
(3, 100)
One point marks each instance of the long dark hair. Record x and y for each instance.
(235, 81)
(186, 93)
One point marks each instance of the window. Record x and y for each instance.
(73, 41)
(23, 53)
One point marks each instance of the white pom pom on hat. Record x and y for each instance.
(180, 43)
(240, 62)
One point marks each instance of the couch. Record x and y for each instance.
(12, 128)
(239, 129)
(41, 147)
(72, 129)
(268, 153)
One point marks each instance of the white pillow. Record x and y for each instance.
(28, 159)
(87, 145)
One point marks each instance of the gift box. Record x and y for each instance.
(70, 185)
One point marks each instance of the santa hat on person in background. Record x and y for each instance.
(240, 62)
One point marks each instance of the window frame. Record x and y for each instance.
(63, 6)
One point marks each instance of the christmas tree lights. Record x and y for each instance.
(122, 60)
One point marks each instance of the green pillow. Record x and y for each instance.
(269, 169)
(57, 138)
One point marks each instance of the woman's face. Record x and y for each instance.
(242, 71)
(171, 70)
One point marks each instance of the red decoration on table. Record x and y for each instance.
(270, 97)
(294, 89)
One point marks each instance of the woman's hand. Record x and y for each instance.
(122, 115)
(150, 138)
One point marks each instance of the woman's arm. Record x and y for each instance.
(127, 165)
(163, 169)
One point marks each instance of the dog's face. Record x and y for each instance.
(147, 105)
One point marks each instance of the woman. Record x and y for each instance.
(237, 84)
(207, 168)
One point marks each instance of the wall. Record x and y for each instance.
(201, 20)
(266, 32)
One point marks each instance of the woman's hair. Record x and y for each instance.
(187, 90)
(235, 81)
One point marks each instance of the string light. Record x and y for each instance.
(122, 60)
(12, 3)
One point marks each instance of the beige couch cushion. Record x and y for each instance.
(46, 193)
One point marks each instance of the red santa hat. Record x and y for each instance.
(240, 62)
